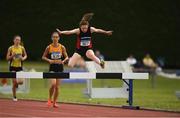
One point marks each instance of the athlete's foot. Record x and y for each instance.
(55, 105)
(15, 99)
(102, 64)
(49, 102)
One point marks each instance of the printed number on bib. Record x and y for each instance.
(55, 55)
(17, 56)
(85, 43)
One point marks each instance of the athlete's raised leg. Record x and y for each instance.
(90, 54)
(81, 63)
(74, 59)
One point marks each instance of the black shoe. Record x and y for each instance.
(102, 64)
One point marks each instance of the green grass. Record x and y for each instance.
(162, 96)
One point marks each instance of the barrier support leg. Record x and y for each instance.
(130, 98)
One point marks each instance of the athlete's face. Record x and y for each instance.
(17, 40)
(84, 28)
(55, 37)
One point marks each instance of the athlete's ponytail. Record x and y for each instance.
(86, 18)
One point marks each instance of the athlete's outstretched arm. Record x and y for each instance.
(69, 32)
(93, 29)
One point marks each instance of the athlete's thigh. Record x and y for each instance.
(74, 58)
(53, 81)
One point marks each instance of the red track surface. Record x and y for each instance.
(24, 108)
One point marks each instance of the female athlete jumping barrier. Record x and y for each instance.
(16, 55)
(84, 43)
(56, 55)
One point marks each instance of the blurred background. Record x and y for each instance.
(141, 28)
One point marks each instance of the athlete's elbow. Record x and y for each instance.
(26, 57)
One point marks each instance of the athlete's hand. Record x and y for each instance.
(109, 33)
(58, 30)
(13, 56)
(64, 62)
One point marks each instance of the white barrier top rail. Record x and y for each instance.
(74, 75)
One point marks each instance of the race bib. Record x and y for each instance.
(55, 55)
(17, 56)
(85, 43)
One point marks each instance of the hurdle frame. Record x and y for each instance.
(82, 75)
(125, 91)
